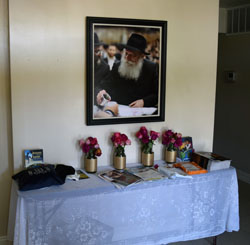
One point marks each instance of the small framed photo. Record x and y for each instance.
(126, 70)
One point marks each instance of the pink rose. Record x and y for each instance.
(154, 135)
(145, 140)
(85, 148)
(124, 137)
(179, 135)
(139, 135)
(179, 142)
(169, 132)
(81, 142)
(172, 140)
(143, 131)
(93, 141)
(117, 134)
(118, 141)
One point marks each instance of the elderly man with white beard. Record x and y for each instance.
(134, 80)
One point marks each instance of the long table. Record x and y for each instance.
(93, 211)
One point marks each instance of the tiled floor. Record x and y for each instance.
(241, 237)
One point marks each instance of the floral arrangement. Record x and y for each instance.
(171, 140)
(90, 147)
(147, 139)
(120, 141)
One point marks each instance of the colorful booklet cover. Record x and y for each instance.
(81, 174)
(33, 157)
(186, 149)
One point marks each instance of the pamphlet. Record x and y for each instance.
(147, 174)
(79, 174)
(173, 173)
(33, 157)
(190, 168)
(186, 149)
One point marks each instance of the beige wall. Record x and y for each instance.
(48, 77)
(47, 42)
(5, 120)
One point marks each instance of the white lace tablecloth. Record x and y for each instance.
(93, 211)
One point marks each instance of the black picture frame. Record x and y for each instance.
(118, 31)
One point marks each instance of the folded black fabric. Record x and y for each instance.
(63, 170)
(43, 175)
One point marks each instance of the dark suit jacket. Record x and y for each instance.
(101, 76)
(125, 91)
(106, 60)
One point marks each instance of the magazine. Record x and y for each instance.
(146, 174)
(120, 178)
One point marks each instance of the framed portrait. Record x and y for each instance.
(126, 70)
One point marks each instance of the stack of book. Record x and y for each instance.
(211, 161)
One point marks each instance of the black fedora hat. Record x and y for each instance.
(96, 40)
(136, 42)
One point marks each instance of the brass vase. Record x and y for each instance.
(90, 165)
(170, 156)
(147, 159)
(119, 162)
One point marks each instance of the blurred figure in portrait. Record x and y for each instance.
(111, 58)
(101, 76)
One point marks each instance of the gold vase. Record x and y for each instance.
(170, 156)
(90, 165)
(147, 159)
(119, 162)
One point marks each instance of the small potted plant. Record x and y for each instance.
(120, 141)
(147, 141)
(172, 141)
(92, 150)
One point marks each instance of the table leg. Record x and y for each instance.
(214, 240)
